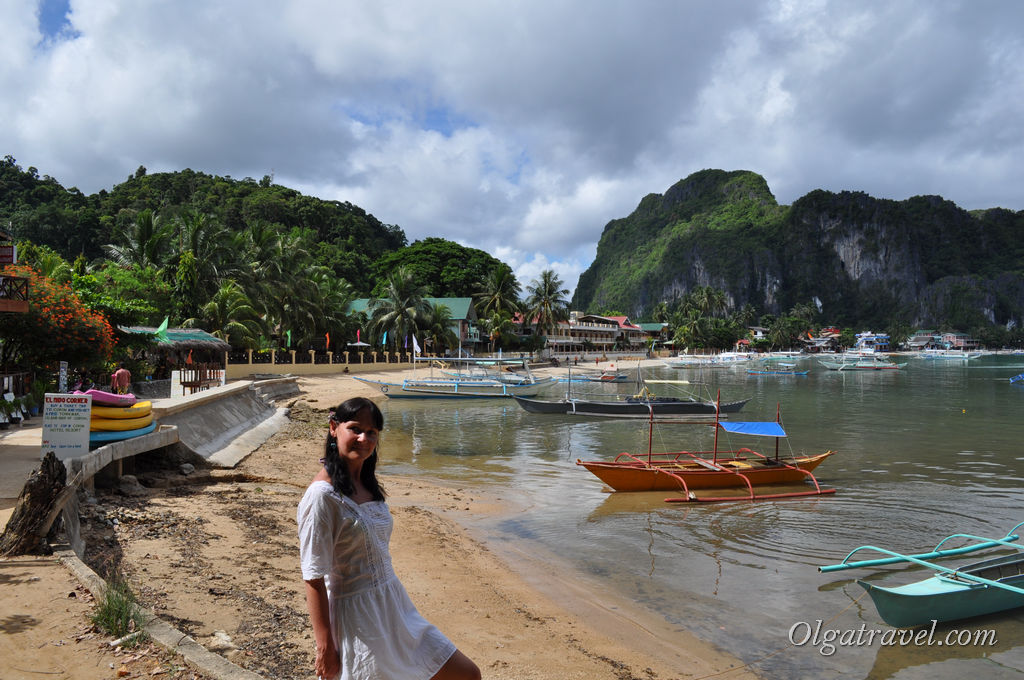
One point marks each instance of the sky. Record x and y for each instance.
(521, 128)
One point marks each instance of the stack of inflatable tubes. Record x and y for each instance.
(118, 416)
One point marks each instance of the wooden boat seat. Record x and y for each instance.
(709, 465)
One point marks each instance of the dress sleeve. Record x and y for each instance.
(318, 522)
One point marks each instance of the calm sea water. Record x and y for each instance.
(923, 452)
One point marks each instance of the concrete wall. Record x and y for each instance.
(249, 371)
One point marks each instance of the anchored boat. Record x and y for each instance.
(863, 363)
(984, 587)
(690, 471)
(641, 404)
(463, 385)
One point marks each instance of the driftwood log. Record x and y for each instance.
(41, 501)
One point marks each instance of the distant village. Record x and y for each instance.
(590, 333)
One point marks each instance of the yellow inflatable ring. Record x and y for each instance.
(136, 410)
(116, 424)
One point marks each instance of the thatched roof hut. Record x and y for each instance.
(178, 339)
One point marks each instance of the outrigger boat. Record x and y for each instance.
(772, 367)
(607, 376)
(641, 404)
(463, 386)
(985, 587)
(688, 471)
(863, 363)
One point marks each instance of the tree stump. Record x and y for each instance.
(42, 499)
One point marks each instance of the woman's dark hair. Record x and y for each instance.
(337, 470)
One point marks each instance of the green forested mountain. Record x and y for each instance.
(861, 260)
(256, 263)
(347, 239)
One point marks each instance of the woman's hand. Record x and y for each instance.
(327, 663)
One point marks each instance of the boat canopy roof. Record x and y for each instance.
(761, 429)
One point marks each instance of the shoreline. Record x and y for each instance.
(216, 555)
(658, 646)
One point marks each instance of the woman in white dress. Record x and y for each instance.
(364, 624)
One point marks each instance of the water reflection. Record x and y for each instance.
(922, 453)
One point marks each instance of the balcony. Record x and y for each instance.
(13, 294)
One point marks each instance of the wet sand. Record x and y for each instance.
(215, 554)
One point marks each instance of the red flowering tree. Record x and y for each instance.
(57, 326)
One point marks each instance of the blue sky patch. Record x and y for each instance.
(53, 18)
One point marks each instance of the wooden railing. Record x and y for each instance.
(13, 294)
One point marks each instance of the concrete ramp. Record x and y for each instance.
(225, 424)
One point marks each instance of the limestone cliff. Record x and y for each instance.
(922, 261)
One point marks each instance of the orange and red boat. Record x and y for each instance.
(689, 471)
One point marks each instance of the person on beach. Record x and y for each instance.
(120, 380)
(364, 623)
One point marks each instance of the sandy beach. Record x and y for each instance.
(214, 553)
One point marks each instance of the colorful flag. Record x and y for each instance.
(384, 340)
(415, 345)
(289, 334)
(357, 336)
(161, 332)
(328, 336)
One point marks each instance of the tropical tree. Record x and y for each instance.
(499, 327)
(444, 267)
(785, 331)
(707, 300)
(692, 329)
(500, 292)
(141, 243)
(398, 311)
(546, 302)
(230, 316)
(332, 299)
(203, 249)
(437, 328)
(45, 261)
(57, 326)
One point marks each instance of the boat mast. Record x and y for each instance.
(718, 406)
(778, 419)
(650, 432)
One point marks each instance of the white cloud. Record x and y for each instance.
(523, 128)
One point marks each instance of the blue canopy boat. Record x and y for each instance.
(1017, 378)
(985, 587)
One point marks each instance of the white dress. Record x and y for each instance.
(377, 630)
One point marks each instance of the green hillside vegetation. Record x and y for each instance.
(253, 262)
(867, 262)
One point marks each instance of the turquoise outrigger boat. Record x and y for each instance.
(986, 587)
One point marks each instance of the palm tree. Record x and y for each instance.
(708, 301)
(437, 328)
(399, 311)
(692, 329)
(143, 243)
(209, 243)
(49, 264)
(500, 292)
(230, 316)
(546, 303)
(497, 325)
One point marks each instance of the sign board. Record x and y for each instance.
(66, 424)
(8, 254)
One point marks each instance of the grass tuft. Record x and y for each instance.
(118, 614)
